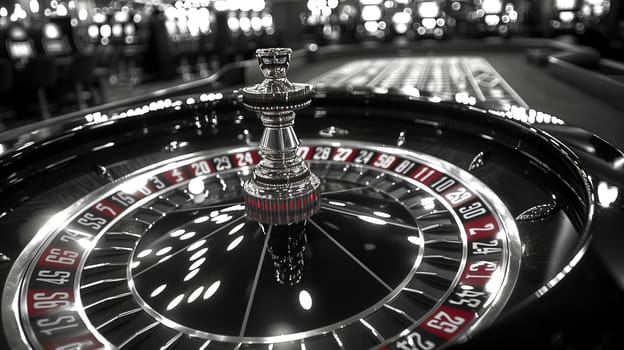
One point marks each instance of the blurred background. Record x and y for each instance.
(59, 56)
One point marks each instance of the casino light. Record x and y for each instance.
(245, 6)
(402, 17)
(371, 13)
(134, 185)
(195, 294)
(607, 195)
(158, 290)
(187, 235)
(99, 17)
(245, 24)
(193, 22)
(565, 4)
(121, 16)
(401, 21)
(195, 265)
(170, 13)
(203, 16)
(401, 28)
(382, 214)
(416, 240)
(34, 6)
(371, 26)
(428, 9)
(256, 24)
(177, 233)
(347, 12)
(200, 253)
(566, 16)
(305, 300)
(175, 302)
(144, 253)
(235, 243)
(83, 14)
(372, 220)
(233, 5)
(531, 116)
(491, 20)
(117, 30)
(61, 10)
(220, 5)
(220, 219)
(129, 29)
(195, 246)
(233, 24)
(236, 229)
(429, 23)
(599, 7)
(212, 289)
(267, 21)
(465, 98)
(201, 219)
(410, 90)
(257, 5)
(492, 6)
(164, 251)
(105, 31)
(51, 31)
(182, 21)
(18, 13)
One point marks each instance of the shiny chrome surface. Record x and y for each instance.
(282, 190)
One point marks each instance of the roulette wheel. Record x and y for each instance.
(386, 221)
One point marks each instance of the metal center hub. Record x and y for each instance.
(282, 189)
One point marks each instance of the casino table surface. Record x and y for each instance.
(536, 85)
